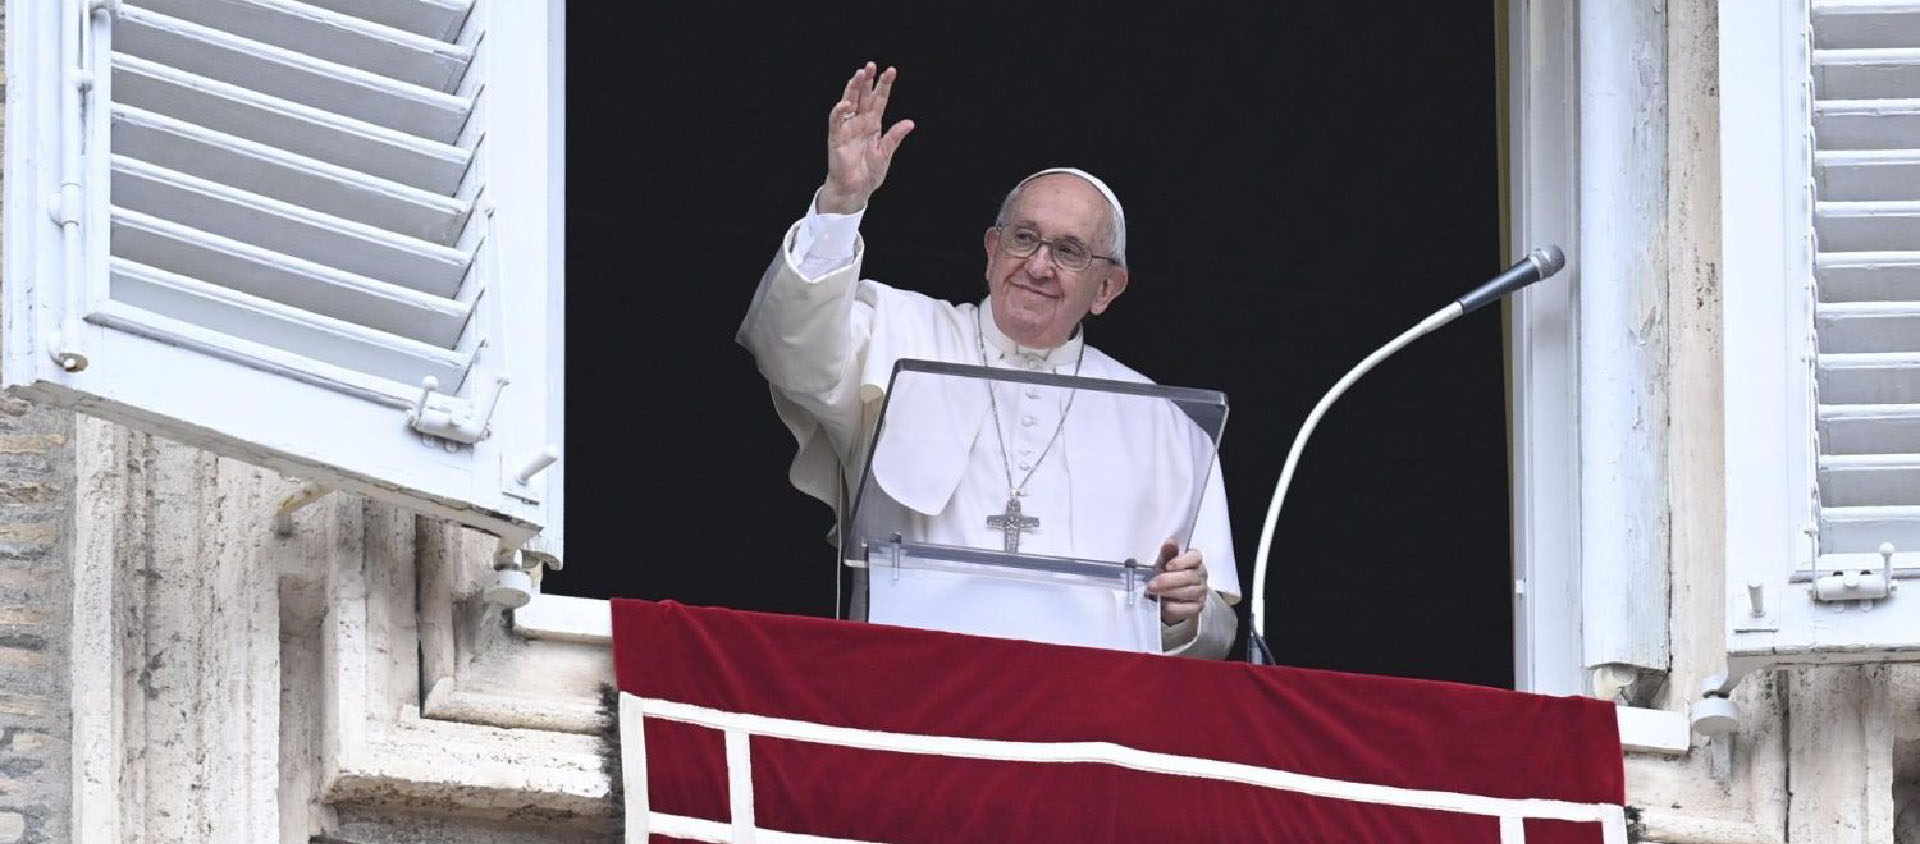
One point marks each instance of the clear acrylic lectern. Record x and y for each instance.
(1025, 504)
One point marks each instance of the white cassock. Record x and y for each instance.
(1111, 486)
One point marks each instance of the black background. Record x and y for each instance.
(1302, 182)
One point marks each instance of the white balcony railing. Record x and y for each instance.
(642, 821)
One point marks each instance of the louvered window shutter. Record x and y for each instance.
(321, 236)
(1853, 317)
(1867, 274)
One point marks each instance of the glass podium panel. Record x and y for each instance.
(1028, 505)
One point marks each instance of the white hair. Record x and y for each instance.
(1118, 247)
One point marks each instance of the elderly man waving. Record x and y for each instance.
(826, 340)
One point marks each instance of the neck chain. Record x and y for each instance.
(1015, 491)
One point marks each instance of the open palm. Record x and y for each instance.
(858, 151)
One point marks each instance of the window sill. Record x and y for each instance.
(560, 618)
(1654, 731)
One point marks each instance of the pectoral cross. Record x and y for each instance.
(1012, 523)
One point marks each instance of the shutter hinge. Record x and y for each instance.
(64, 205)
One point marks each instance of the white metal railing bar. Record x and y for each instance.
(1512, 831)
(633, 768)
(740, 787)
(697, 829)
(1510, 811)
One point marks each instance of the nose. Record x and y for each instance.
(1040, 263)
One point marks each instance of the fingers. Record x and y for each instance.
(837, 117)
(1183, 585)
(1182, 592)
(863, 92)
(1167, 601)
(1174, 612)
(891, 141)
(851, 94)
(858, 87)
(862, 104)
(1167, 552)
(876, 103)
(1183, 578)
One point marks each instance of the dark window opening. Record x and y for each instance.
(1301, 184)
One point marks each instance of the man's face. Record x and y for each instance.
(1035, 302)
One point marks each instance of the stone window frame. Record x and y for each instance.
(239, 684)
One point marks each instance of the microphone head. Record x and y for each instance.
(1548, 259)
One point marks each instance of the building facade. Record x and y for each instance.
(188, 655)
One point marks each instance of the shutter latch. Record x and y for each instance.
(464, 422)
(1858, 584)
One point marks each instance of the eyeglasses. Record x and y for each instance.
(1066, 253)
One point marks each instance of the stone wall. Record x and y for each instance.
(36, 460)
(35, 479)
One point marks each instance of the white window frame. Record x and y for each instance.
(1543, 85)
(1765, 240)
(1544, 357)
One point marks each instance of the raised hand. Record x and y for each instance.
(858, 152)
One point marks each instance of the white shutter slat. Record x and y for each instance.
(289, 177)
(181, 341)
(1878, 226)
(289, 229)
(338, 342)
(1867, 73)
(1868, 276)
(325, 34)
(289, 75)
(1863, 175)
(1872, 326)
(1862, 530)
(291, 126)
(432, 18)
(1870, 428)
(292, 281)
(1867, 124)
(1848, 480)
(1867, 23)
(1870, 378)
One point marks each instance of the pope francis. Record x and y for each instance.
(827, 341)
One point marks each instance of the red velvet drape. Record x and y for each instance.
(1407, 733)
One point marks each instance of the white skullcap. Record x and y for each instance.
(1113, 204)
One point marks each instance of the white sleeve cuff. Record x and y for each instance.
(825, 242)
(1206, 636)
(1174, 637)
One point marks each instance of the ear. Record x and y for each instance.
(1110, 289)
(991, 240)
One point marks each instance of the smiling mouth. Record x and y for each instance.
(1033, 290)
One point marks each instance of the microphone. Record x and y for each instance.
(1539, 264)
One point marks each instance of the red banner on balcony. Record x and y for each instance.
(962, 738)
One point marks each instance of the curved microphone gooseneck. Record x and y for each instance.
(1539, 264)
